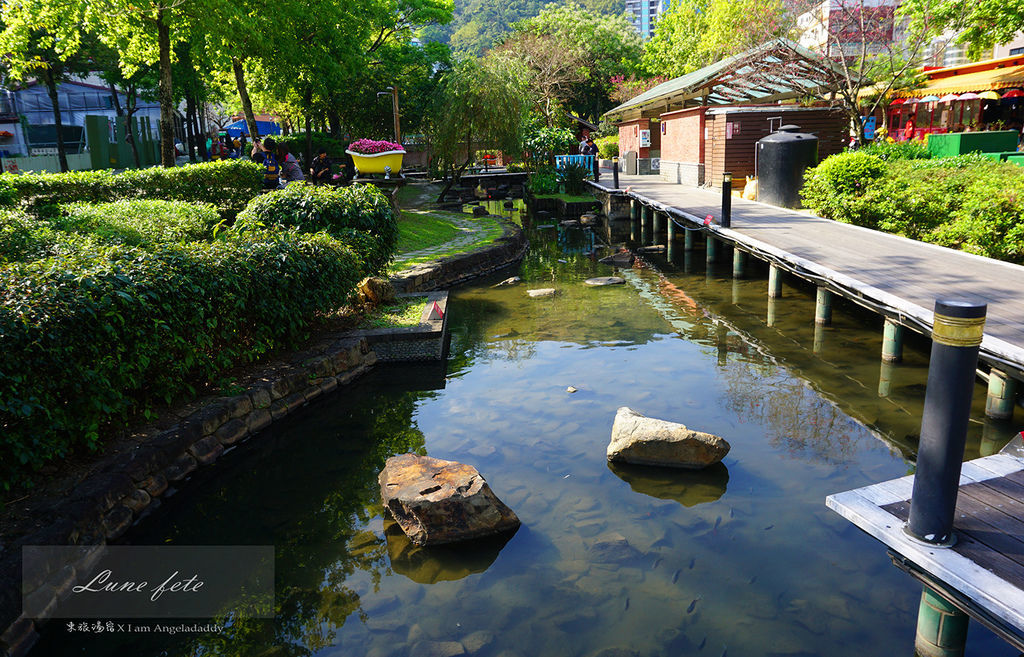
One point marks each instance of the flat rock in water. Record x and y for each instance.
(588, 219)
(542, 292)
(570, 223)
(611, 548)
(437, 649)
(654, 248)
(480, 211)
(436, 501)
(600, 281)
(649, 441)
(620, 259)
(509, 281)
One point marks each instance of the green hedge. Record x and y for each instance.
(965, 202)
(228, 185)
(296, 143)
(343, 212)
(24, 238)
(91, 338)
(607, 147)
(139, 223)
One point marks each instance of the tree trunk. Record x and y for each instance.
(307, 98)
(163, 36)
(190, 132)
(117, 100)
(202, 132)
(51, 87)
(132, 102)
(243, 95)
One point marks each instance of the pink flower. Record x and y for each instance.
(372, 147)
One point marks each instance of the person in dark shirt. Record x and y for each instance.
(266, 153)
(320, 171)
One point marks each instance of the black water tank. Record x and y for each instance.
(782, 158)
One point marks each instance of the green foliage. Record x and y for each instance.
(965, 202)
(296, 143)
(91, 338)
(979, 23)
(139, 223)
(608, 147)
(901, 150)
(543, 144)
(358, 214)
(543, 181)
(573, 177)
(228, 185)
(23, 239)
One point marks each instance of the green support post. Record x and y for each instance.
(819, 339)
(823, 307)
(634, 209)
(1002, 395)
(771, 311)
(689, 240)
(739, 262)
(657, 218)
(646, 220)
(885, 377)
(994, 436)
(892, 342)
(736, 292)
(774, 282)
(941, 627)
(712, 249)
(670, 239)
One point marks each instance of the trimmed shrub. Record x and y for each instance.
(94, 337)
(988, 221)
(837, 187)
(607, 147)
(23, 239)
(139, 223)
(342, 212)
(229, 185)
(900, 150)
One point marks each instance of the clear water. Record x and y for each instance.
(741, 559)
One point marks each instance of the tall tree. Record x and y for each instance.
(44, 40)
(979, 23)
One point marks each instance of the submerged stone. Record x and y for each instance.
(600, 281)
(649, 441)
(542, 292)
(436, 501)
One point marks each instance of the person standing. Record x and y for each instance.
(266, 153)
(590, 148)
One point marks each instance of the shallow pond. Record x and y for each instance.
(741, 559)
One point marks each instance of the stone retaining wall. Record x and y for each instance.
(427, 341)
(108, 502)
(453, 270)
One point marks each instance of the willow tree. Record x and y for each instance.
(478, 104)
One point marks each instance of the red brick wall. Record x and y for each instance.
(683, 136)
(629, 136)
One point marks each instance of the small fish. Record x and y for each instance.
(625, 607)
(675, 576)
(769, 527)
(656, 563)
(566, 476)
(752, 579)
(693, 604)
(732, 512)
(725, 651)
(703, 642)
(718, 521)
(693, 562)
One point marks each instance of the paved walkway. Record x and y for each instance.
(901, 275)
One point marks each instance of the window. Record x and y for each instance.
(1016, 51)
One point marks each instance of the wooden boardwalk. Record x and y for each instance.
(895, 276)
(983, 572)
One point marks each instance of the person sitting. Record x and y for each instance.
(290, 169)
(320, 170)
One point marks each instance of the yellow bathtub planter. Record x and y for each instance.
(383, 161)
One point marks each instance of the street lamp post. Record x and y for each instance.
(393, 92)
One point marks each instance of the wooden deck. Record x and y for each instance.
(984, 570)
(895, 276)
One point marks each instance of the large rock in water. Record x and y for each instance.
(436, 501)
(648, 441)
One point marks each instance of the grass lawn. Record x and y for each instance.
(425, 229)
(403, 312)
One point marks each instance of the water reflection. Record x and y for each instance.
(441, 563)
(688, 487)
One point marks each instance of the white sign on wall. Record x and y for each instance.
(43, 151)
(645, 139)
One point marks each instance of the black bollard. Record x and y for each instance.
(956, 338)
(615, 173)
(597, 168)
(727, 200)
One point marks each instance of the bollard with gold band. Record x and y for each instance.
(956, 338)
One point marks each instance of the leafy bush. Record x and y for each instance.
(342, 212)
(229, 185)
(93, 337)
(516, 167)
(296, 143)
(608, 147)
(543, 181)
(901, 150)
(138, 223)
(966, 202)
(573, 176)
(544, 144)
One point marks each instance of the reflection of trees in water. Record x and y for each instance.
(800, 421)
(314, 532)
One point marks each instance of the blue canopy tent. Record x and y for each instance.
(239, 128)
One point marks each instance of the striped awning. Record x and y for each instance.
(998, 78)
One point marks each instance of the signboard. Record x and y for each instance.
(645, 139)
(42, 151)
(728, 129)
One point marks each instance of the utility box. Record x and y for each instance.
(782, 159)
(958, 143)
